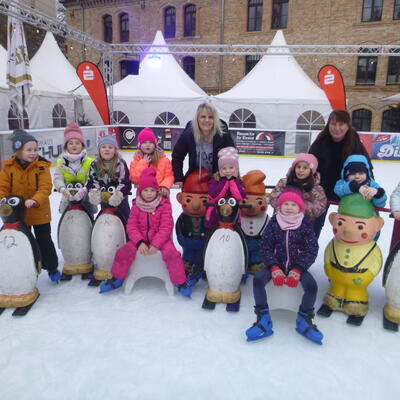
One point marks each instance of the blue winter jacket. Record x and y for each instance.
(344, 187)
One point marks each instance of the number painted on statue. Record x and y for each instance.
(8, 242)
(225, 238)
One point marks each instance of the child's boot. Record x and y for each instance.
(54, 275)
(185, 289)
(262, 327)
(305, 326)
(111, 284)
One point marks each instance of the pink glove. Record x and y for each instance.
(278, 277)
(80, 194)
(65, 192)
(293, 277)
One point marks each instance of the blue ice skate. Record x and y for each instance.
(185, 289)
(305, 326)
(262, 327)
(54, 276)
(111, 284)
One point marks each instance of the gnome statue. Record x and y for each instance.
(352, 258)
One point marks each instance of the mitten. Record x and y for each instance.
(65, 192)
(293, 277)
(80, 194)
(278, 277)
(94, 196)
(115, 199)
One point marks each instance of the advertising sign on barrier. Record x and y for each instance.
(386, 147)
(259, 142)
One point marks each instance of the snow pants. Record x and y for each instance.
(46, 246)
(125, 256)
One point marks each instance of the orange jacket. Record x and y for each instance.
(165, 176)
(33, 182)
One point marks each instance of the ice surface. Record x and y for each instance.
(78, 344)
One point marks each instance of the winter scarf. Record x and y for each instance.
(74, 160)
(148, 206)
(289, 222)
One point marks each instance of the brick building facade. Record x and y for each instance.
(313, 22)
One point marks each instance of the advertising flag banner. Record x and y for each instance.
(331, 82)
(92, 79)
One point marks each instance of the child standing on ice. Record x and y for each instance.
(73, 167)
(303, 175)
(26, 174)
(149, 228)
(395, 208)
(226, 182)
(149, 155)
(110, 169)
(288, 248)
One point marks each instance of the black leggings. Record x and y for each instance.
(46, 246)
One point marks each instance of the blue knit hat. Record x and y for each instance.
(109, 139)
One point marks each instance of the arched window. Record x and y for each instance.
(242, 118)
(59, 116)
(118, 117)
(189, 66)
(169, 22)
(189, 20)
(14, 118)
(166, 118)
(361, 119)
(309, 120)
(391, 120)
(107, 28)
(123, 27)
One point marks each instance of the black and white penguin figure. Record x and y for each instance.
(225, 257)
(391, 283)
(20, 258)
(108, 235)
(74, 235)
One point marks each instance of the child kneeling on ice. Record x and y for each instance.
(149, 228)
(288, 248)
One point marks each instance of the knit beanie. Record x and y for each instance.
(310, 159)
(353, 167)
(292, 194)
(144, 135)
(147, 179)
(109, 139)
(354, 205)
(228, 156)
(19, 137)
(73, 131)
(197, 182)
(254, 182)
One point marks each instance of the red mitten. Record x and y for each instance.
(278, 277)
(293, 277)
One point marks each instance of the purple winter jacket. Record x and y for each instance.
(289, 249)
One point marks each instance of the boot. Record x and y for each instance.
(111, 284)
(185, 289)
(305, 326)
(262, 327)
(54, 275)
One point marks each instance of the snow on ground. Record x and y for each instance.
(78, 344)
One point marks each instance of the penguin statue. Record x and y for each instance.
(20, 258)
(74, 234)
(225, 256)
(108, 235)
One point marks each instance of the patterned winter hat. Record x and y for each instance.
(292, 194)
(356, 166)
(354, 205)
(310, 159)
(254, 182)
(147, 179)
(19, 137)
(197, 182)
(228, 156)
(108, 139)
(73, 131)
(146, 134)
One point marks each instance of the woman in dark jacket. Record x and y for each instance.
(202, 138)
(332, 146)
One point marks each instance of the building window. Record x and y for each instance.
(118, 117)
(169, 22)
(391, 120)
(372, 10)
(366, 68)
(251, 62)
(396, 11)
(361, 120)
(129, 67)
(14, 118)
(166, 118)
(310, 120)
(242, 118)
(254, 15)
(189, 66)
(107, 28)
(59, 116)
(123, 27)
(280, 13)
(393, 76)
(189, 20)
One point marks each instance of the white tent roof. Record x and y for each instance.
(276, 78)
(3, 67)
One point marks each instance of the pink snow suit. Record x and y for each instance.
(153, 229)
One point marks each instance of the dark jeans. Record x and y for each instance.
(124, 209)
(261, 278)
(46, 246)
(319, 222)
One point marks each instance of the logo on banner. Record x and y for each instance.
(265, 136)
(129, 135)
(88, 75)
(331, 82)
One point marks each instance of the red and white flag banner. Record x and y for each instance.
(331, 82)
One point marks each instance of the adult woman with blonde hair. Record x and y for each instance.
(202, 139)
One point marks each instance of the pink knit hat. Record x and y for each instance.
(147, 179)
(73, 131)
(292, 194)
(309, 159)
(228, 155)
(144, 135)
